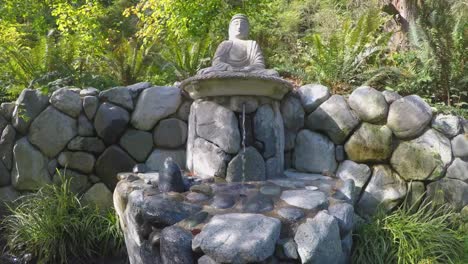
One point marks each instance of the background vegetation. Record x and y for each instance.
(340, 43)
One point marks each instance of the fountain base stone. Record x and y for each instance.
(302, 218)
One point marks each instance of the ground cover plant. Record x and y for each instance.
(430, 234)
(55, 227)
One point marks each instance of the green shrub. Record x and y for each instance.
(55, 227)
(428, 235)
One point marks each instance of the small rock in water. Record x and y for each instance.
(270, 190)
(223, 201)
(258, 203)
(170, 178)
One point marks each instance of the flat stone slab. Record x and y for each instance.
(239, 238)
(306, 199)
(236, 83)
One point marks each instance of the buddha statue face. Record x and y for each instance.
(239, 28)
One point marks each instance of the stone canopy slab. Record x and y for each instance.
(235, 83)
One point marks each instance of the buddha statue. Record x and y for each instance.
(238, 54)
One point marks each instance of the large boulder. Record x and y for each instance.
(80, 161)
(154, 104)
(184, 110)
(344, 214)
(359, 173)
(7, 141)
(30, 169)
(29, 104)
(88, 144)
(119, 96)
(90, 106)
(449, 125)
(318, 239)
(314, 153)
(264, 129)
(293, 113)
(448, 191)
(208, 159)
(369, 104)
(176, 246)
(170, 133)
(113, 161)
(98, 195)
(409, 116)
(423, 158)
(110, 122)
(312, 95)
(460, 146)
(66, 101)
(239, 238)
(137, 143)
(136, 88)
(6, 110)
(390, 96)
(85, 127)
(78, 182)
(385, 189)
(370, 143)
(51, 131)
(334, 118)
(248, 166)
(155, 161)
(458, 170)
(218, 124)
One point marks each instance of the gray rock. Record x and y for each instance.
(90, 106)
(257, 203)
(184, 110)
(460, 146)
(240, 103)
(248, 166)
(51, 131)
(369, 104)
(205, 259)
(98, 195)
(288, 248)
(119, 96)
(271, 190)
(318, 239)
(195, 197)
(5, 177)
(264, 130)
(449, 125)
(52, 166)
(423, 158)
(155, 161)
(346, 192)
(7, 141)
(78, 182)
(137, 143)
(113, 161)
(291, 214)
(110, 122)
(80, 161)
(458, 170)
(176, 246)
(170, 177)
(314, 153)
(170, 133)
(30, 169)
(140, 168)
(90, 91)
(208, 159)
(409, 116)
(241, 238)
(346, 246)
(85, 127)
(293, 113)
(137, 88)
(218, 124)
(289, 140)
(223, 201)
(8, 194)
(340, 153)
(464, 124)
(6, 110)
(370, 143)
(88, 144)
(344, 214)
(385, 189)
(3, 123)
(335, 118)
(305, 199)
(448, 191)
(29, 104)
(415, 196)
(164, 211)
(359, 173)
(272, 168)
(154, 104)
(313, 95)
(391, 96)
(67, 102)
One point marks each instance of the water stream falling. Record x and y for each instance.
(243, 143)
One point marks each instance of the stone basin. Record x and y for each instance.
(235, 83)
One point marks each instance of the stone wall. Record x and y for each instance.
(390, 146)
(89, 136)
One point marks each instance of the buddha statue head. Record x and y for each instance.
(239, 27)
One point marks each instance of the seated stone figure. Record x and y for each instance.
(239, 54)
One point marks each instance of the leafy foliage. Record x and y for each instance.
(55, 227)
